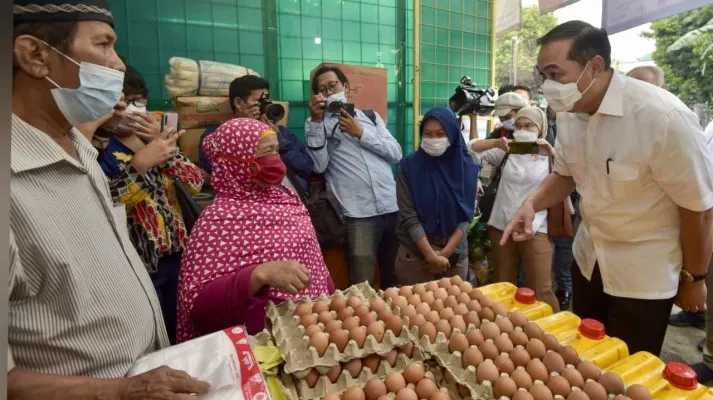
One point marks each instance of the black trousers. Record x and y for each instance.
(641, 324)
(165, 281)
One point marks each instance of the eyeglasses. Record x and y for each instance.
(331, 87)
(140, 102)
(527, 126)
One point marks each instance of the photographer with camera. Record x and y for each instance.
(355, 150)
(250, 98)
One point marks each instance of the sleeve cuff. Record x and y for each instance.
(417, 233)
(367, 136)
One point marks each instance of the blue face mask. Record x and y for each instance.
(99, 90)
(509, 124)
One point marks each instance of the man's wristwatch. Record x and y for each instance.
(689, 277)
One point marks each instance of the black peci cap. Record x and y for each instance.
(61, 10)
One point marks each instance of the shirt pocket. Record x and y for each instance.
(622, 180)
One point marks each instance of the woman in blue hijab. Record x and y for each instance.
(436, 191)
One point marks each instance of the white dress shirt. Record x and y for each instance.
(639, 158)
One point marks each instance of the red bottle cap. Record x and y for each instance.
(525, 296)
(592, 329)
(681, 375)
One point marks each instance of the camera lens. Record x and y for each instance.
(274, 112)
(334, 106)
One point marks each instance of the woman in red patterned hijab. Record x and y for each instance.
(254, 244)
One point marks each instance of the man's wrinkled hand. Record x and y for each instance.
(162, 383)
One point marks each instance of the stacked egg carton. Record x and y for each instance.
(332, 343)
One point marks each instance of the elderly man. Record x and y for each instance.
(649, 73)
(82, 308)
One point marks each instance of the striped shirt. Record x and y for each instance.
(81, 301)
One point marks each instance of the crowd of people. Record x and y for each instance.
(104, 269)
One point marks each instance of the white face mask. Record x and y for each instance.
(524, 136)
(131, 108)
(99, 90)
(562, 97)
(435, 147)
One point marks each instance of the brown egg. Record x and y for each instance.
(377, 305)
(334, 373)
(312, 329)
(577, 395)
(570, 355)
(331, 396)
(428, 330)
(489, 349)
(353, 302)
(394, 382)
(354, 393)
(503, 343)
(460, 309)
(418, 320)
(456, 280)
(505, 325)
(463, 298)
(487, 371)
(361, 310)
(551, 342)
(466, 286)
(319, 341)
(474, 305)
(486, 313)
(394, 324)
(320, 306)
(303, 309)
(444, 327)
(307, 320)
(638, 392)
(391, 293)
(407, 350)
(432, 286)
(377, 330)
(536, 348)
(441, 294)
(472, 318)
(353, 367)
(487, 301)
(537, 370)
(612, 383)
(332, 325)
(458, 343)
(345, 313)
(541, 392)
(472, 357)
(475, 337)
(450, 301)
(490, 330)
(420, 289)
(409, 311)
(391, 357)
(438, 395)
(446, 313)
(522, 378)
(384, 314)
(312, 377)
(445, 283)
(476, 294)
(374, 389)
(425, 388)
(358, 334)
(401, 302)
(340, 338)
(350, 323)
(371, 362)
(499, 309)
(428, 298)
(521, 395)
(368, 318)
(519, 338)
(406, 394)
(573, 377)
(432, 317)
(454, 291)
(405, 291)
(504, 363)
(414, 300)
(554, 362)
(518, 319)
(533, 331)
(589, 370)
(463, 391)
(594, 390)
(520, 357)
(504, 386)
(457, 322)
(559, 386)
(438, 306)
(414, 372)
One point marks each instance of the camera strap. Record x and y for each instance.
(326, 137)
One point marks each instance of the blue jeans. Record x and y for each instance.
(371, 240)
(562, 263)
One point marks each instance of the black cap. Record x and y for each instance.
(61, 10)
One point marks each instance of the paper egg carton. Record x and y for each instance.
(263, 338)
(325, 386)
(451, 382)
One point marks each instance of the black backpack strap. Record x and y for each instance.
(498, 172)
(371, 114)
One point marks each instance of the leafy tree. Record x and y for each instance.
(685, 64)
(534, 26)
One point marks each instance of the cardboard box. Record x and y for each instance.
(202, 112)
(188, 143)
(367, 86)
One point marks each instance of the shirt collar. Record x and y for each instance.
(31, 148)
(613, 101)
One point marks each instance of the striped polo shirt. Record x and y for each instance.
(81, 301)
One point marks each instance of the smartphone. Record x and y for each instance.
(349, 107)
(524, 147)
(169, 120)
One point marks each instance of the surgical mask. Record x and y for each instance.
(562, 97)
(131, 108)
(341, 96)
(524, 136)
(509, 124)
(99, 90)
(435, 147)
(271, 170)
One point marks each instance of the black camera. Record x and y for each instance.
(333, 107)
(470, 100)
(274, 112)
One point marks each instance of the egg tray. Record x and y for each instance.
(345, 381)
(263, 338)
(451, 382)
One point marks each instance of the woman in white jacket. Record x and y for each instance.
(521, 175)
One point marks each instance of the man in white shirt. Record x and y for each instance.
(640, 161)
(650, 74)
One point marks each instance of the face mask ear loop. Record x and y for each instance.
(52, 82)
